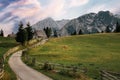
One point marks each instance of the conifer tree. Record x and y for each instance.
(80, 32)
(48, 31)
(55, 33)
(1, 33)
(74, 33)
(107, 29)
(29, 31)
(21, 35)
(117, 27)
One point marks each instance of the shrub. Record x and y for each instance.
(33, 61)
(48, 66)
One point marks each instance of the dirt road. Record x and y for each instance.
(22, 71)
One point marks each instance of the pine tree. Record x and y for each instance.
(48, 31)
(107, 29)
(80, 32)
(74, 33)
(29, 31)
(21, 35)
(1, 33)
(55, 33)
(117, 27)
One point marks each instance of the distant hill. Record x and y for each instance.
(91, 23)
(49, 22)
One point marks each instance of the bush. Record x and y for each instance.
(70, 72)
(48, 66)
(63, 72)
(33, 61)
(24, 53)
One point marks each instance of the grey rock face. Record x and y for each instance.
(49, 22)
(90, 23)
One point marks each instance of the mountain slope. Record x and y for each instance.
(62, 23)
(90, 23)
(48, 22)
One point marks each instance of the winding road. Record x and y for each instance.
(22, 71)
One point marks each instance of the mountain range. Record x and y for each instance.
(88, 23)
(91, 23)
(49, 22)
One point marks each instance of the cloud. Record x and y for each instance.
(24, 8)
(104, 7)
(28, 10)
(96, 8)
(75, 3)
(55, 8)
(33, 10)
(18, 11)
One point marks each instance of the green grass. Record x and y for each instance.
(101, 50)
(5, 45)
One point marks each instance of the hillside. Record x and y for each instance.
(6, 44)
(94, 52)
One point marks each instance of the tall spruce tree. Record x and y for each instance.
(1, 33)
(55, 33)
(117, 27)
(48, 31)
(80, 32)
(107, 29)
(29, 32)
(74, 33)
(21, 35)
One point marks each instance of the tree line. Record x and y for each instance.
(24, 34)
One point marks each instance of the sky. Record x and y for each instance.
(14, 11)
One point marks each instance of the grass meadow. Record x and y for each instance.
(95, 52)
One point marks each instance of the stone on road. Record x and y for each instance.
(23, 71)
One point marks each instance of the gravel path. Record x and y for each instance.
(22, 70)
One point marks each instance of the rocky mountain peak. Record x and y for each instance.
(91, 23)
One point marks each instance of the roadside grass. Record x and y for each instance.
(95, 52)
(5, 45)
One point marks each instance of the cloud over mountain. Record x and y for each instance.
(13, 11)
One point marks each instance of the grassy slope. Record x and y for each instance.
(101, 50)
(5, 45)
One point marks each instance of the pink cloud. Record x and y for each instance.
(75, 3)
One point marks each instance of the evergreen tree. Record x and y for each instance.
(74, 33)
(21, 35)
(107, 29)
(55, 33)
(102, 31)
(1, 33)
(48, 31)
(117, 27)
(80, 32)
(29, 31)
